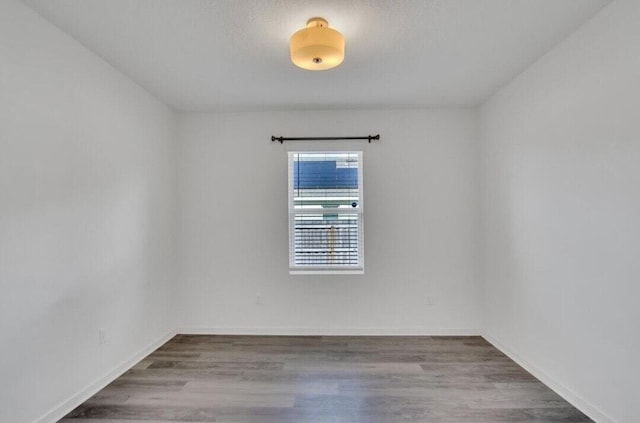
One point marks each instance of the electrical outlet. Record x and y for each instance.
(102, 336)
(428, 301)
(258, 299)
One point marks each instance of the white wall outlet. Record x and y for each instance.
(102, 336)
(428, 301)
(258, 299)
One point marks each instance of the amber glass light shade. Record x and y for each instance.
(317, 47)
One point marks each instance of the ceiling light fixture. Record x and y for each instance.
(317, 47)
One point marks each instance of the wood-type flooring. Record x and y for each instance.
(325, 379)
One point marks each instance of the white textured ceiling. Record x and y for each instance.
(213, 55)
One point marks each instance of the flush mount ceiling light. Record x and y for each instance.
(317, 47)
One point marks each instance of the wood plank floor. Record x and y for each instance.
(323, 379)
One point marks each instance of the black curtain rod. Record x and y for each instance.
(283, 139)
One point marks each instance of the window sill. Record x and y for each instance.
(326, 272)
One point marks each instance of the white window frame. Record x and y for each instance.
(307, 269)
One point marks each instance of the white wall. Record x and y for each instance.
(561, 209)
(86, 218)
(421, 225)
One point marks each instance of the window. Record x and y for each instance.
(325, 212)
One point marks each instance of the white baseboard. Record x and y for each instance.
(327, 331)
(573, 398)
(62, 409)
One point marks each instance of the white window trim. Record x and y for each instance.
(325, 270)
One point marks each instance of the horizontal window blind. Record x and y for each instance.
(325, 211)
